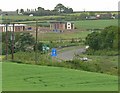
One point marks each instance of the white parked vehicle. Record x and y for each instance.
(84, 59)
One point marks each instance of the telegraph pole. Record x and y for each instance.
(36, 57)
(6, 37)
(13, 43)
(6, 40)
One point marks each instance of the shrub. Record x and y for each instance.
(102, 52)
(96, 65)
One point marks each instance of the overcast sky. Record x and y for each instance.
(77, 5)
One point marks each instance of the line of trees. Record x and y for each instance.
(59, 8)
(24, 42)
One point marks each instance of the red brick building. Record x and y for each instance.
(61, 25)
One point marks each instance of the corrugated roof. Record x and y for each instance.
(12, 25)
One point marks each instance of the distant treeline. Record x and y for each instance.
(58, 9)
(62, 10)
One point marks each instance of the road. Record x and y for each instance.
(69, 54)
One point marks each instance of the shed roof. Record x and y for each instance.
(2, 25)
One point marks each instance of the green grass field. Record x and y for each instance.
(23, 77)
(28, 18)
(95, 24)
(81, 24)
(57, 36)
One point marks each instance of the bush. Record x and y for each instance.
(4, 49)
(96, 65)
(102, 52)
(25, 42)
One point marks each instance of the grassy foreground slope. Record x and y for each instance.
(22, 77)
(0, 77)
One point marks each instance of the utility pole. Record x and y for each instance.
(36, 56)
(13, 43)
(6, 37)
(6, 40)
(84, 10)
